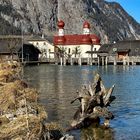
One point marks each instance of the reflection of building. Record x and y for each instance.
(77, 45)
(46, 48)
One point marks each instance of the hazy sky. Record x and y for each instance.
(131, 6)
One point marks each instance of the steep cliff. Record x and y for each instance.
(108, 19)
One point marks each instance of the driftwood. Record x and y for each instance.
(94, 100)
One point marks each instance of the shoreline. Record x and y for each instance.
(21, 115)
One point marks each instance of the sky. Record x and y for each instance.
(132, 7)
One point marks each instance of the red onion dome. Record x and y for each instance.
(86, 25)
(61, 24)
(86, 39)
(59, 40)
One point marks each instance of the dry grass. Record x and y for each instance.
(9, 71)
(10, 93)
(53, 126)
(20, 102)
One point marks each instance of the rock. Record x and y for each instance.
(67, 137)
(10, 116)
(40, 16)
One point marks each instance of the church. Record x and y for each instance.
(82, 46)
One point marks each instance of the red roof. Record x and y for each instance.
(95, 39)
(76, 39)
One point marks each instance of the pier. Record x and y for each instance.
(100, 61)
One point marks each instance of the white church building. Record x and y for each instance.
(81, 46)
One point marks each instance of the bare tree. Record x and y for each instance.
(12, 43)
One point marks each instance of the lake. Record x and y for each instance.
(58, 85)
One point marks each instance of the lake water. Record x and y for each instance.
(58, 84)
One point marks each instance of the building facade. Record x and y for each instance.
(46, 48)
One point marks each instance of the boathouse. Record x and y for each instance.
(76, 47)
(30, 53)
(9, 46)
(45, 47)
(123, 52)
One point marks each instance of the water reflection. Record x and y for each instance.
(58, 85)
(98, 133)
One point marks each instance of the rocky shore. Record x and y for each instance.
(21, 116)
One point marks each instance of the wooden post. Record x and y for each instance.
(91, 61)
(71, 61)
(128, 60)
(88, 61)
(106, 60)
(61, 61)
(79, 61)
(98, 61)
(115, 63)
(64, 61)
(102, 61)
(124, 61)
(55, 59)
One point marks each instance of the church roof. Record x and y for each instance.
(76, 39)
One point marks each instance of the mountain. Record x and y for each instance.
(108, 19)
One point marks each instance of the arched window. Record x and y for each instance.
(69, 50)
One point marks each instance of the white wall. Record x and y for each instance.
(82, 49)
(45, 47)
(71, 49)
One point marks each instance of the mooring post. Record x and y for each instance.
(91, 61)
(88, 61)
(79, 61)
(64, 61)
(106, 60)
(98, 61)
(128, 60)
(115, 63)
(61, 61)
(71, 61)
(102, 61)
(124, 61)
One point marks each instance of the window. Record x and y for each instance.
(69, 50)
(76, 50)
